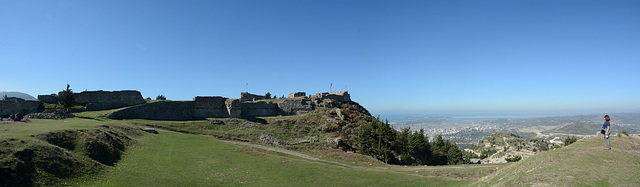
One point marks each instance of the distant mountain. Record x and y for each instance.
(18, 95)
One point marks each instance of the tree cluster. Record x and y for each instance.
(379, 140)
(161, 97)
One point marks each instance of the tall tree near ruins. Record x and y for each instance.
(66, 98)
(267, 95)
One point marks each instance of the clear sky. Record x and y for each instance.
(410, 57)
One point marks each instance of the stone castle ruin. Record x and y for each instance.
(249, 105)
(19, 106)
(246, 96)
(101, 100)
(297, 94)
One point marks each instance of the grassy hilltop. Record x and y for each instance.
(584, 163)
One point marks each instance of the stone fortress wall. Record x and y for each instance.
(221, 107)
(52, 99)
(16, 105)
(101, 100)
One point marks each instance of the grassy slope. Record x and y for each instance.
(172, 159)
(582, 163)
(37, 126)
(175, 159)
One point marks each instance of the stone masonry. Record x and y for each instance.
(52, 99)
(101, 100)
(220, 107)
(245, 96)
(19, 106)
(297, 94)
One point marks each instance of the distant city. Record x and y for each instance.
(466, 130)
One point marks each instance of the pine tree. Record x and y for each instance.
(67, 100)
(454, 155)
(267, 95)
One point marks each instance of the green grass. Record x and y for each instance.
(584, 163)
(96, 115)
(37, 126)
(174, 159)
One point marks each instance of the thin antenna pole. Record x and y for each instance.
(331, 87)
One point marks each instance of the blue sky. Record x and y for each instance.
(409, 57)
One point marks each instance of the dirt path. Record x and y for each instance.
(276, 149)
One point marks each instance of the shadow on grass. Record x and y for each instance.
(256, 120)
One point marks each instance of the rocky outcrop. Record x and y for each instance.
(338, 96)
(50, 114)
(17, 105)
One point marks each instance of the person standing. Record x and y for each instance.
(606, 127)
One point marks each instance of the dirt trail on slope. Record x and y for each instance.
(276, 149)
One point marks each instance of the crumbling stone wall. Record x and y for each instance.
(220, 107)
(261, 108)
(297, 94)
(210, 107)
(296, 106)
(17, 105)
(246, 96)
(161, 110)
(52, 99)
(338, 96)
(234, 108)
(104, 100)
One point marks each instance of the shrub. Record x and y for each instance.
(625, 133)
(570, 140)
(5, 97)
(161, 97)
(514, 159)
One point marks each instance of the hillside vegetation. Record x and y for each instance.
(498, 146)
(584, 163)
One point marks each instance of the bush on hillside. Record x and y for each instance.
(514, 159)
(625, 133)
(570, 140)
(161, 97)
